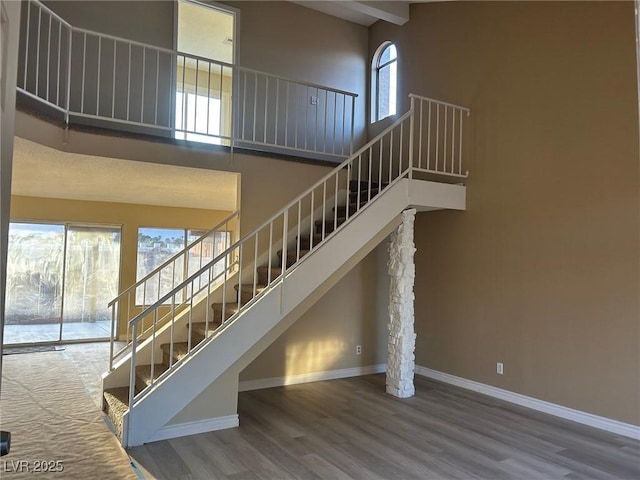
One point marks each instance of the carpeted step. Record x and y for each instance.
(116, 403)
(364, 195)
(292, 256)
(353, 208)
(200, 328)
(263, 273)
(354, 185)
(180, 350)
(328, 225)
(143, 375)
(247, 291)
(305, 241)
(230, 309)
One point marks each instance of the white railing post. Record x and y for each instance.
(67, 108)
(411, 128)
(132, 373)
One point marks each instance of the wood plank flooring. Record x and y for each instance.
(351, 429)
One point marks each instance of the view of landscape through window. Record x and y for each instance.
(157, 245)
(60, 276)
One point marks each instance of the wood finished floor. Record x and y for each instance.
(351, 429)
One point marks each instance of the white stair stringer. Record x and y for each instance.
(257, 326)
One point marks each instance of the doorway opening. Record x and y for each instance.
(205, 38)
(60, 278)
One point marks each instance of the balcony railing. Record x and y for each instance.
(95, 78)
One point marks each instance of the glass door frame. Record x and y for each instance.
(67, 226)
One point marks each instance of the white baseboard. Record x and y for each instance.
(194, 428)
(603, 423)
(310, 377)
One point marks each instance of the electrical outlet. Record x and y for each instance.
(358, 349)
(499, 368)
(313, 100)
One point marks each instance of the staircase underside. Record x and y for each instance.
(237, 344)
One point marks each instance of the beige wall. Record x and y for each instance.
(541, 271)
(325, 337)
(129, 216)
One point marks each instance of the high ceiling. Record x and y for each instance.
(362, 12)
(41, 171)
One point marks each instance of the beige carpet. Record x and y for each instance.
(51, 418)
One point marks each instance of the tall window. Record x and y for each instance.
(384, 82)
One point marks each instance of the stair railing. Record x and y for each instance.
(143, 88)
(165, 277)
(389, 157)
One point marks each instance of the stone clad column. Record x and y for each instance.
(402, 337)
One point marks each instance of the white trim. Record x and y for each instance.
(310, 377)
(603, 423)
(194, 428)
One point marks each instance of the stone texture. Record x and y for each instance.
(402, 337)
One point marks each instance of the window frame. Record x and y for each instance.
(376, 67)
(186, 243)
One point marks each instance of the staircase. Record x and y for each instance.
(116, 400)
(272, 275)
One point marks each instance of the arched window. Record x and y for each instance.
(384, 81)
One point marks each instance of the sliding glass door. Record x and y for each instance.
(59, 281)
(90, 281)
(33, 299)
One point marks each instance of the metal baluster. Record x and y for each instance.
(270, 253)
(437, 133)
(312, 224)
(266, 107)
(209, 96)
(153, 344)
(277, 110)
(26, 48)
(38, 53)
(113, 86)
(173, 322)
(255, 105)
(155, 115)
(98, 82)
(324, 213)
(353, 121)
(240, 279)
(420, 137)
(255, 266)
(48, 56)
(429, 139)
(298, 236)
(84, 67)
(453, 137)
(286, 119)
(129, 85)
(59, 55)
